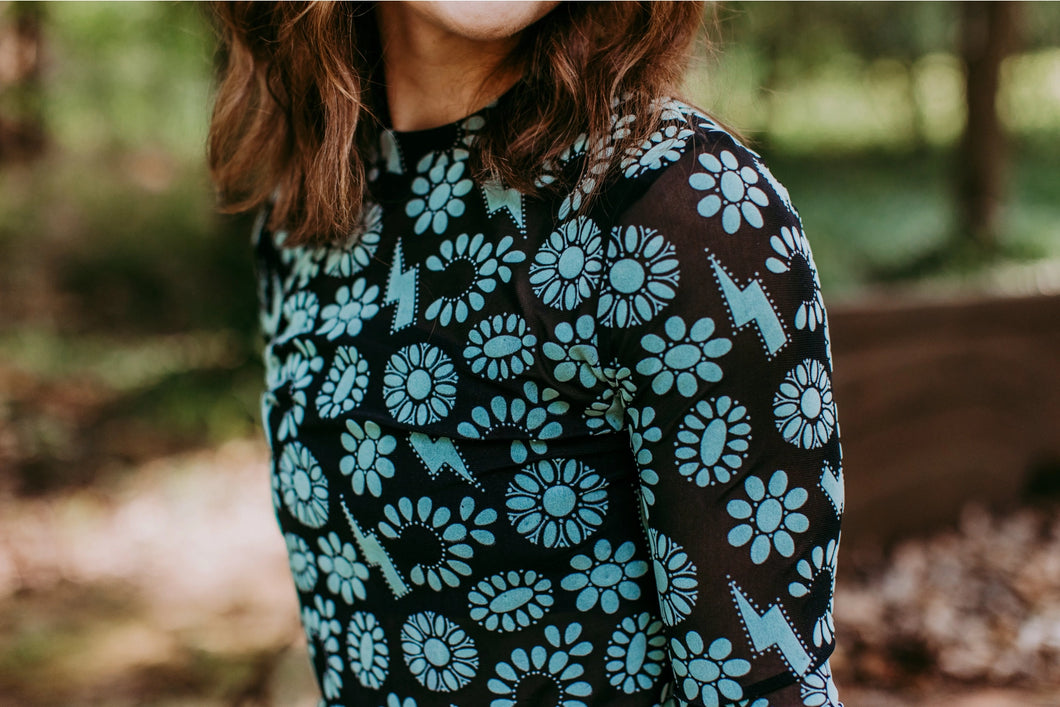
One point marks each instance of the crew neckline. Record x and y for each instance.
(422, 134)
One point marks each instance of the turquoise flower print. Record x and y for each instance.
(642, 430)
(367, 463)
(548, 669)
(286, 385)
(771, 517)
(392, 700)
(792, 254)
(575, 352)
(322, 629)
(303, 486)
(530, 419)
(500, 346)
(353, 256)
(675, 578)
(706, 673)
(440, 654)
(608, 411)
(473, 267)
(344, 386)
(732, 191)
(760, 702)
(367, 650)
(684, 357)
(779, 188)
(712, 441)
(302, 561)
(450, 536)
(642, 277)
(354, 305)
(636, 654)
(345, 573)
(605, 577)
(557, 502)
(803, 406)
(597, 163)
(511, 600)
(662, 147)
(817, 579)
(438, 186)
(300, 313)
(419, 385)
(303, 263)
(818, 689)
(568, 265)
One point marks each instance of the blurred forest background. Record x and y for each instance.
(139, 563)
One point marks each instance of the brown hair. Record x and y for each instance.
(297, 108)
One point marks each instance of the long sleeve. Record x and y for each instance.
(712, 329)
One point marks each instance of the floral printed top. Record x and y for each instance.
(540, 452)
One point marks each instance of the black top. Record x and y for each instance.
(537, 452)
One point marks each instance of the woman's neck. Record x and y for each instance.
(434, 76)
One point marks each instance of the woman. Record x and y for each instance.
(548, 380)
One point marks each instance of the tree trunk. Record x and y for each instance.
(988, 35)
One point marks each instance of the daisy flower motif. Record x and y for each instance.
(662, 147)
(818, 690)
(675, 578)
(449, 535)
(300, 312)
(712, 441)
(345, 385)
(354, 305)
(286, 385)
(302, 561)
(529, 420)
(684, 357)
(770, 517)
(367, 650)
(511, 600)
(817, 580)
(557, 502)
(367, 463)
(605, 577)
(439, 654)
(500, 346)
(392, 700)
(551, 667)
(641, 278)
(733, 191)
(419, 385)
(438, 187)
(792, 254)
(706, 672)
(354, 256)
(636, 654)
(575, 352)
(303, 486)
(345, 573)
(803, 406)
(568, 265)
(473, 268)
(608, 411)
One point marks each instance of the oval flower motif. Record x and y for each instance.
(662, 147)
(345, 385)
(367, 650)
(733, 191)
(641, 278)
(712, 441)
(770, 517)
(367, 463)
(557, 503)
(419, 385)
(684, 357)
(675, 578)
(440, 655)
(303, 486)
(636, 654)
(605, 577)
(438, 187)
(302, 561)
(803, 406)
(510, 600)
(568, 265)
(477, 267)
(353, 256)
(501, 347)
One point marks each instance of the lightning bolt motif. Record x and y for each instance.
(401, 289)
(375, 555)
(391, 152)
(440, 453)
(832, 484)
(751, 305)
(772, 629)
(498, 198)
